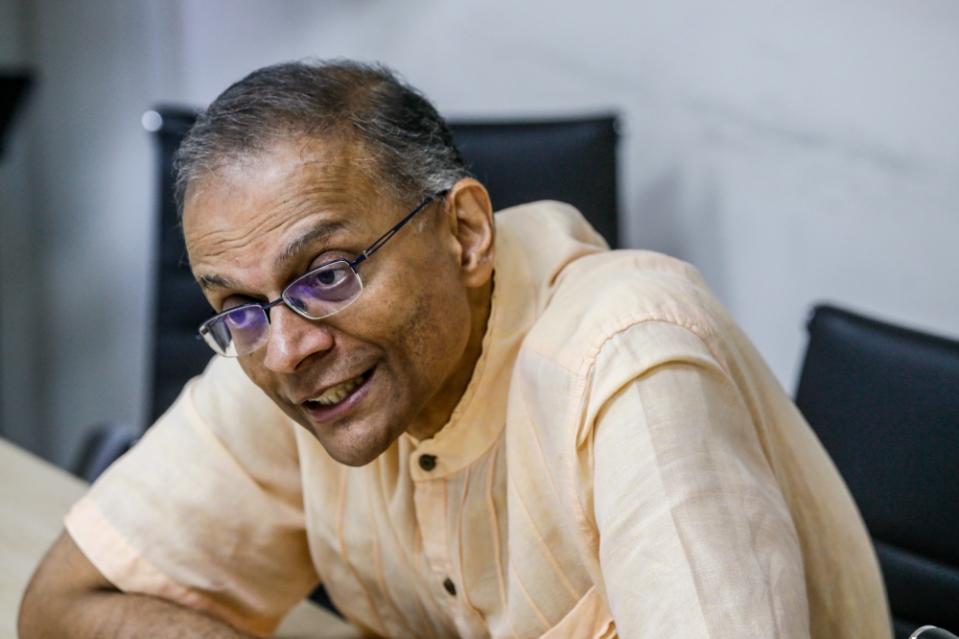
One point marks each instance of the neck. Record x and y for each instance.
(437, 414)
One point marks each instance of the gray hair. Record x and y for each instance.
(408, 144)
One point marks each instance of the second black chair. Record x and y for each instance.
(884, 401)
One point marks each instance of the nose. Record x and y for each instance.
(293, 339)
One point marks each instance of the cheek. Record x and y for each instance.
(436, 333)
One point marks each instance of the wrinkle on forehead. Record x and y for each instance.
(301, 179)
(325, 167)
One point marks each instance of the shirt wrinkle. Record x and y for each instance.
(243, 525)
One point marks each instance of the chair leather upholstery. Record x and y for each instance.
(571, 160)
(13, 88)
(179, 305)
(884, 401)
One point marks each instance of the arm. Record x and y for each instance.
(205, 512)
(69, 598)
(696, 539)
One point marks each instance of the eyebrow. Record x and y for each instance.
(212, 280)
(324, 230)
(318, 232)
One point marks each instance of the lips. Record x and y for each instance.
(335, 400)
(336, 394)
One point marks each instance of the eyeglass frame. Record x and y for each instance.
(365, 254)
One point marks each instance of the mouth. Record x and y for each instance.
(337, 400)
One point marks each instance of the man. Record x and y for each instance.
(460, 425)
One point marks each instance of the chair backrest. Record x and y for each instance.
(884, 401)
(572, 160)
(13, 88)
(179, 305)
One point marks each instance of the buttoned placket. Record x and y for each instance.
(430, 498)
(471, 431)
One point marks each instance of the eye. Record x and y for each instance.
(328, 276)
(243, 318)
(329, 283)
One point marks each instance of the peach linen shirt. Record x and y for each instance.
(622, 463)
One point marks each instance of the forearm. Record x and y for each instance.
(110, 613)
(68, 598)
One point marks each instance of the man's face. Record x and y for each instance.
(386, 363)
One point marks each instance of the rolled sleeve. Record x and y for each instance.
(696, 539)
(206, 510)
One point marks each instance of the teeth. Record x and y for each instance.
(338, 393)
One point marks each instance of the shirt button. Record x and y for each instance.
(450, 586)
(427, 462)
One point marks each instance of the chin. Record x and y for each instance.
(355, 459)
(356, 444)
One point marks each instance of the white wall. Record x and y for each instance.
(88, 184)
(10, 41)
(794, 152)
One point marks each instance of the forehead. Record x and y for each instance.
(254, 201)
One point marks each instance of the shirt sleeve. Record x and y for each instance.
(206, 510)
(696, 539)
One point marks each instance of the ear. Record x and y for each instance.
(471, 218)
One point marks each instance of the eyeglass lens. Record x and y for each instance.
(324, 291)
(316, 294)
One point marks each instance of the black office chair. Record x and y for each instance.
(13, 90)
(572, 160)
(884, 401)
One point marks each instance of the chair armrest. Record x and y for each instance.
(931, 632)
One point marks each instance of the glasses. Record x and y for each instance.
(317, 294)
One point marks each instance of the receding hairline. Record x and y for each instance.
(326, 189)
(410, 150)
(330, 145)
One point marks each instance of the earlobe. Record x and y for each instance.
(474, 230)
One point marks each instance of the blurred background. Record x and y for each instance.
(793, 152)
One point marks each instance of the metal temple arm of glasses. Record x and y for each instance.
(383, 239)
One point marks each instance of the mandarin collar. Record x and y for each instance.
(523, 275)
